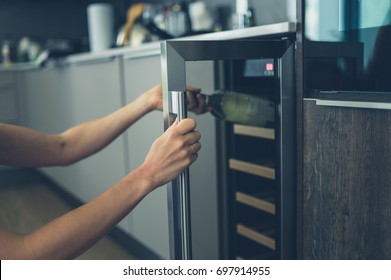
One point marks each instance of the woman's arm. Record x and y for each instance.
(25, 147)
(71, 234)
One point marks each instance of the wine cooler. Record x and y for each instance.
(238, 200)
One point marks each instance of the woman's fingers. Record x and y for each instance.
(195, 147)
(184, 127)
(173, 151)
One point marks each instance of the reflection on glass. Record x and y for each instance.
(243, 83)
(374, 14)
(347, 45)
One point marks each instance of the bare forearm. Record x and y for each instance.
(20, 146)
(88, 138)
(25, 147)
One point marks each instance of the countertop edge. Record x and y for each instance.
(147, 49)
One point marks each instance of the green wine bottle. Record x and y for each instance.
(241, 108)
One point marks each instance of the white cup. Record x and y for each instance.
(100, 26)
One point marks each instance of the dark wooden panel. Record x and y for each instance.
(346, 183)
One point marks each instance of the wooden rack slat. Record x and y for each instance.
(256, 236)
(252, 168)
(260, 132)
(255, 202)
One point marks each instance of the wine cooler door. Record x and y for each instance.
(195, 223)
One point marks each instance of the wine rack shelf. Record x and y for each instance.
(265, 203)
(260, 235)
(264, 170)
(253, 131)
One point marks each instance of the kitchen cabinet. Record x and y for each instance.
(345, 163)
(346, 182)
(43, 94)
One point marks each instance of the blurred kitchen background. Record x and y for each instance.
(63, 24)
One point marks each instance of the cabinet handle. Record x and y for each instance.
(82, 62)
(353, 104)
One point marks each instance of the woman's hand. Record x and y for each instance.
(172, 152)
(195, 102)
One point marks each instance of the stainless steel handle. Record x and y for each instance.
(178, 108)
(353, 104)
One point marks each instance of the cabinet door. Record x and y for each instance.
(43, 96)
(346, 183)
(149, 219)
(94, 90)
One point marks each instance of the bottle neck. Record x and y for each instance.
(214, 101)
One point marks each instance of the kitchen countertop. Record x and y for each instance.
(153, 48)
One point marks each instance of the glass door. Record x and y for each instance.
(211, 210)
